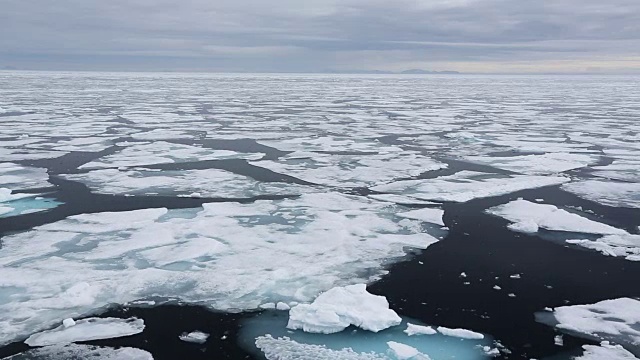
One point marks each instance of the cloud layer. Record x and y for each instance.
(321, 35)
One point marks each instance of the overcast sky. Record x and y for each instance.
(322, 35)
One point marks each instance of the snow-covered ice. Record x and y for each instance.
(429, 215)
(82, 352)
(528, 216)
(605, 351)
(413, 329)
(615, 320)
(549, 163)
(286, 349)
(460, 333)
(256, 250)
(626, 246)
(197, 337)
(337, 308)
(467, 185)
(86, 330)
(610, 193)
(405, 352)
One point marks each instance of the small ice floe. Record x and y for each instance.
(405, 352)
(497, 287)
(282, 306)
(606, 351)
(429, 215)
(512, 295)
(616, 320)
(86, 330)
(558, 340)
(413, 329)
(467, 185)
(460, 333)
(515, 276)
(197, 337)
(75, 351)
(528, 217)
(336, 309)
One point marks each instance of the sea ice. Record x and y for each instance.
(605, 351)
(413, 329)
(460, 333)
(257, 251)
(82, 352)
(429, 215)
(528, 216)
(405, 352)
(18, 177)
(626, 245)
(610, 193)
(86, 330)
(616, 320)
(351, 170)
(197, 337)
(467, 185)
(194, 183)
(162, 152)
(549, 163)
(336, 309)
(286, 349)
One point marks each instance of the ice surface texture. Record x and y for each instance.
(258, 252)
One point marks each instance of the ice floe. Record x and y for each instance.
(340, 307)
(200, 183)
(413, 329)
(616, 320)
(549, 163)
(467, 185)
(257, 251)
(86, 330)
(351, 170)
(528, 216)
(197, 337)
(82, 352)
(18, 177)
(162, 152)
(610, 193)
(626, 246)
(460, 333)
(605, 351)
(405, 352)
(286, 349)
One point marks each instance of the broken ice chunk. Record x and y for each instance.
(336, 309)
(82, 352)
(413, 329)
(460, 333)
(197, 337)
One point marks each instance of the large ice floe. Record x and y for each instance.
(85, 330)
(162, 152)
(610, 193)
(200, 183)
(362, 170)
(13, 204)
(18, 177)
(616, 320)
(529, 217)
(82, 352)
(257, 251)
(549, 163)
(468, 185)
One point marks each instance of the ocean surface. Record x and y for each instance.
(199, 201)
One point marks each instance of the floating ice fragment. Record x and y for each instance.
(86, 330)
(405, 352)
(460, 333)
(528, 215)
(336, 309)
(413, 329)
(286, 349)
(548, 163)
(197, 337)
(69, 322)
(626, 246)
(610, 193)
